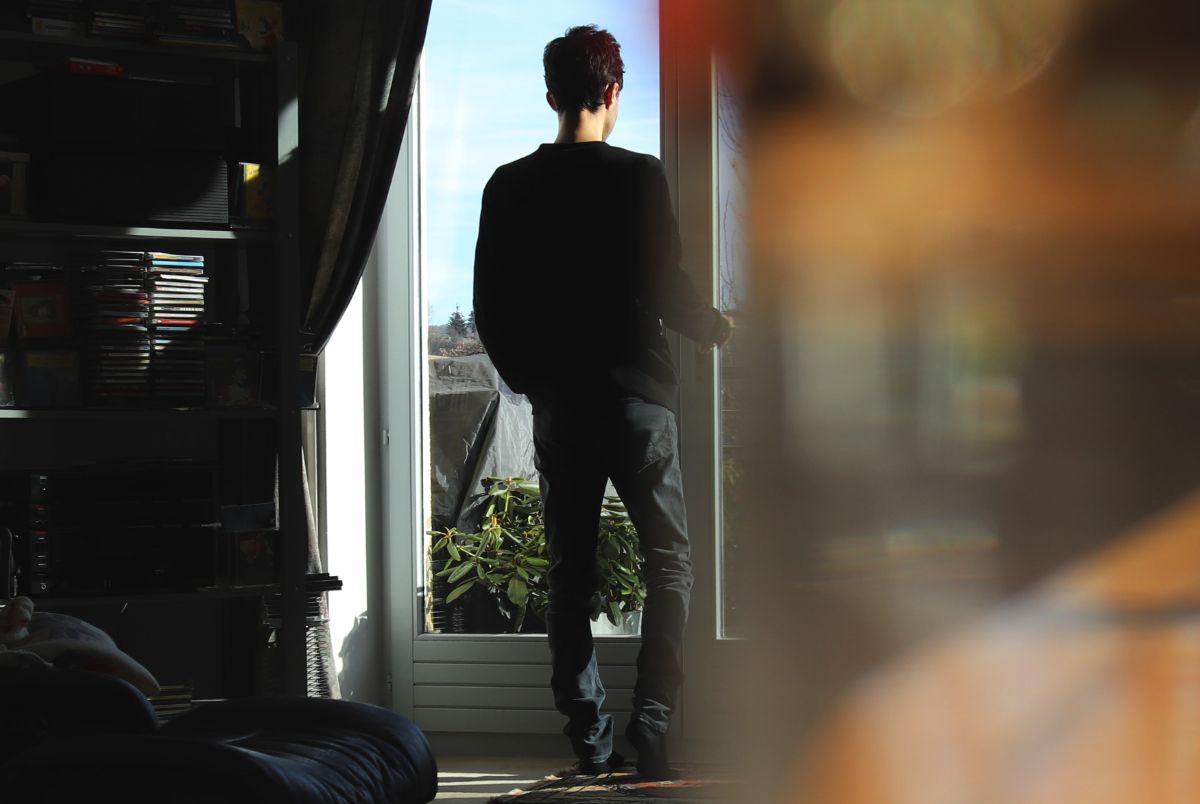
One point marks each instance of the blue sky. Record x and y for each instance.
(483, 105)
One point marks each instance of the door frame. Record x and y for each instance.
(689, 114)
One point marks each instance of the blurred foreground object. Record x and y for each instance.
(1087, 690)
(974, 235)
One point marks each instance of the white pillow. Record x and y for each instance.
(67, 641)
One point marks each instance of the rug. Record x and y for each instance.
(698, 784)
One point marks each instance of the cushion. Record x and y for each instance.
(44, 704)
(70, 643)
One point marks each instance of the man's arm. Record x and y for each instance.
(492, 282)
(672, 294)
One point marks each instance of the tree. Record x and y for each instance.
(471, 321)
(458, 323)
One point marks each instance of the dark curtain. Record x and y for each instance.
(358, 72)
(359, 68)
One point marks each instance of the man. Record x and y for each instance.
(576, 271)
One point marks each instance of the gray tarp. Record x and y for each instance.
(478, 428)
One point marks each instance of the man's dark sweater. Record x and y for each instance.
(576, 265)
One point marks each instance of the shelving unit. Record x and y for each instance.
(117, 415)
(156, 598)
(97, 433)
(36, 48)
(14, 227)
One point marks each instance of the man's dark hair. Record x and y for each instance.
(580, 64)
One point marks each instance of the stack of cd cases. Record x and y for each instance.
(122, 19)
(177, 285)
(143, 315)
(114, 308)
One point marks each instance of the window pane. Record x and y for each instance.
(732, 377)
(482, 105)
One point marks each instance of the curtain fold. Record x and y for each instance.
(359, 62)
(359, 74)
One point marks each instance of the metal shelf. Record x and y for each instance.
(203, 594)
(137, 414)
(26, 46)
(21, 227)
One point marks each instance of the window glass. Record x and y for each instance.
(482, 105)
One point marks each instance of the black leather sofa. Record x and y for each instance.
(70, 736)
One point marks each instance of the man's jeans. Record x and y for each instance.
(578, 448)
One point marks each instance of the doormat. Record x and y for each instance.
(698, 783)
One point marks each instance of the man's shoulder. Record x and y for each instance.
(518, 172)
(611, 153)
(633, 157)
(513, 173)
(631, 163)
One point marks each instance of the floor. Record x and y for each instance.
(473, 780)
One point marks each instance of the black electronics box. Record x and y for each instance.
(120, 528)
(63, 108)
(110, 149)
(118, 185)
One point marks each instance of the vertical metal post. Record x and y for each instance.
(293, 524)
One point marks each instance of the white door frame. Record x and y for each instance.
(428, 672)
(690, 156)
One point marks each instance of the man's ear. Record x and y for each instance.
(610, 94)
(550, 100)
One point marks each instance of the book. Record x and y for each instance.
(78, 66)
(164, 257)
(253, 192)
(259, 23)
(49, 26)
(51, 379)
(14, 184)
(233, 377)
(7, 399)
(7, 305)
(42, 310)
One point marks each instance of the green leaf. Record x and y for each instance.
(614, 613)
(518, 592)
(625, 572)
(453, 550)
(520, 620)
(540, 563)
(459, 572)
(459, 591)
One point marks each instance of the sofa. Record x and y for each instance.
(75, 735)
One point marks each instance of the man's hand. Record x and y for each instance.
(724, 333)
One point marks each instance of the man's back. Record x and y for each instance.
(575, 265)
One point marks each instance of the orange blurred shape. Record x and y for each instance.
(1084, 692)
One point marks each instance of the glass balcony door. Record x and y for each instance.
(702, 152)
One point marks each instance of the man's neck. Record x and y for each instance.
(582, 126)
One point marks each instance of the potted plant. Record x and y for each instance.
(506, 558)
(622, 592)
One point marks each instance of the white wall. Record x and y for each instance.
(345, 475)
